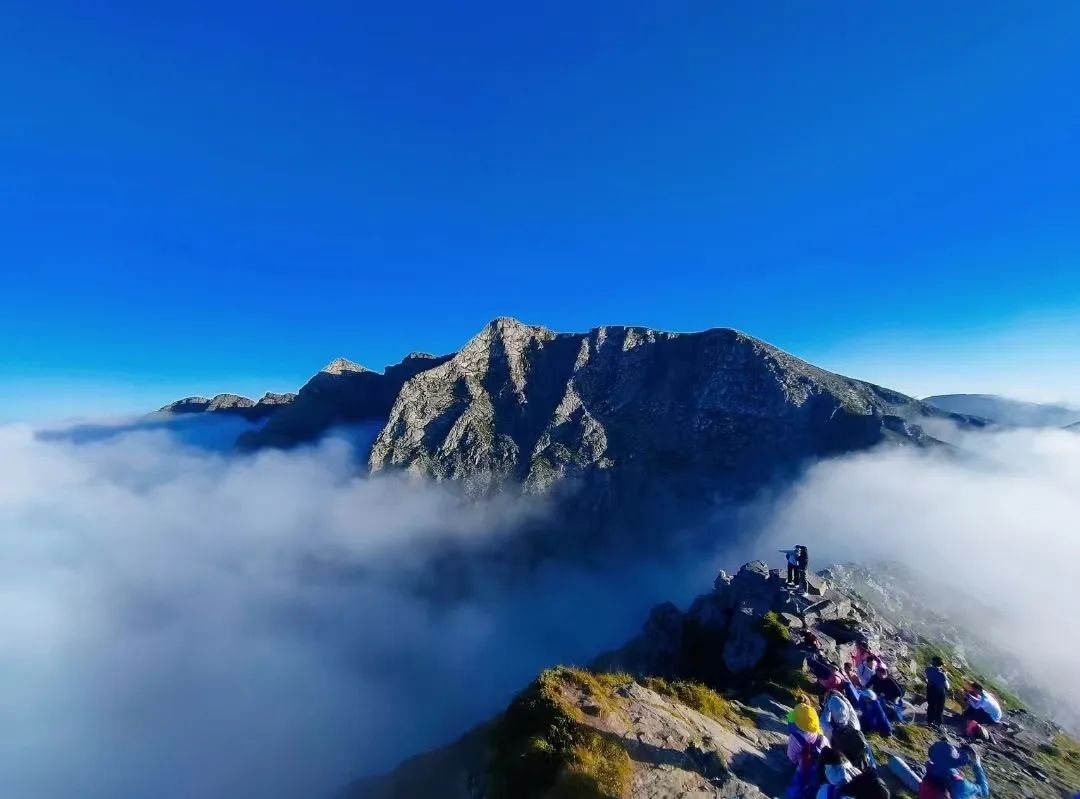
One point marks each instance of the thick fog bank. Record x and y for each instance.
(180, 622)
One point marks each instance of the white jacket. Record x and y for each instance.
(988, 703)
(839, 712)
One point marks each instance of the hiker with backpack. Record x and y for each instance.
(844, 779)
(983, 706)
(890, 692)
(850, 742)
(872, 714)
(937, 689)
(805, 739)
(792, 557)
(944, 776)
(837, 711)
(804, 747)
(802, 564)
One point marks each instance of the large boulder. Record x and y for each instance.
(745, 645)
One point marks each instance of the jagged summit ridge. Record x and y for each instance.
(605, 410)
(233, 404)
(525, 404)
(340, 366)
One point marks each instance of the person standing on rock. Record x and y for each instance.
(937, 688)
(792, 557)
(803, 563)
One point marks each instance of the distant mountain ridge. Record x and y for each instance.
(1005, 411)
(619, 417)
(341, 393)
(524, 404)
(232, 404)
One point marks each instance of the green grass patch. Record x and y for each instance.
(910, 741)
(598, 768)
(791, 686)
(774, 629)
(540, 750)
(701, 698)
(1061, 758)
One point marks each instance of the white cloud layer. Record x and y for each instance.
(180, 623)
(1000, 521)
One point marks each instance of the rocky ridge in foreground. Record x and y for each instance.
(696, 706)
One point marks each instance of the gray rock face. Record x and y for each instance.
(343, 392)
(186, 405)
(627, 418)
(232, 404)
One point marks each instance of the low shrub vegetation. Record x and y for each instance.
(539, 749)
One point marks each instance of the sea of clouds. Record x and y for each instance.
(179, 621)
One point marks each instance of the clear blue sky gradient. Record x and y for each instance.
(212, 195)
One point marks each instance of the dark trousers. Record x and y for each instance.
(800, 576)
(792, 573)
(979, 715)
(935, 704)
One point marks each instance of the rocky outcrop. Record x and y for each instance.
(667, 716)
(341, 393)
(231, 404)
(524, 404)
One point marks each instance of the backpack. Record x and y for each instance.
(851, 743)
(867, 785)
(933, 788)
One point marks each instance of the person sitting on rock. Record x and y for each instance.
(804, 734)
(867, 670)
(842, 778)
(983, 706)
(937, 689)
(851, 683)
(872, 714)
(890, 692)
(804, 747)
(863, 652)
(837, 711)
(829, 677)
(944, 779)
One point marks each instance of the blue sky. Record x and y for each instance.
(211, 196)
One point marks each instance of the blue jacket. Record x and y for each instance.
(937, 678)
(959, 788)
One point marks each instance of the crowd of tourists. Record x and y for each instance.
(827, 744)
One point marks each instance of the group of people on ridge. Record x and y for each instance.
(828, 747)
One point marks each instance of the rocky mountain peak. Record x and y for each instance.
(186, 405)
(228, 402)
(340, 366)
